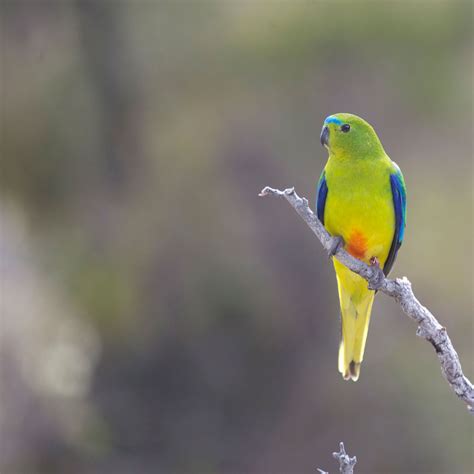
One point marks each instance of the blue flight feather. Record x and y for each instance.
(321, 197)
(399, 205)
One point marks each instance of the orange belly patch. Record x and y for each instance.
(357, 244)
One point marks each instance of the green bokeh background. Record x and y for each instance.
(157, 316)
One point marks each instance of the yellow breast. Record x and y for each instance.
(359, 208)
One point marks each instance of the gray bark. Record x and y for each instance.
(346, 463)
(399, 289)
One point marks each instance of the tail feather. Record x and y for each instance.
(356, 306)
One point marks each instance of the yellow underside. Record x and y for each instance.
(359, 203)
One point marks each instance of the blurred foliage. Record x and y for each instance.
(158, 316)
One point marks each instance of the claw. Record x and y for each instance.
(337, 242)
(374, 261)
(376, 281)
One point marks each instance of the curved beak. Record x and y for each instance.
(325, 136)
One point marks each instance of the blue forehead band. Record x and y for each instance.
(332, 119)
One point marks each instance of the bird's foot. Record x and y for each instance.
(337, 242)
(374, 262)
(378, 276)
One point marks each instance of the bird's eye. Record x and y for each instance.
(345, 128)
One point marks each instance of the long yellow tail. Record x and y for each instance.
(356, 305)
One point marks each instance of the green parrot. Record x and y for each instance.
(361, 199)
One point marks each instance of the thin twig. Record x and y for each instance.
(346, 463)
(399, 289)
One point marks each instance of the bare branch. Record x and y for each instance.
(346, 463)
(399, 289)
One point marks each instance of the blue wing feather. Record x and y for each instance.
(321, 196)
(399, 204)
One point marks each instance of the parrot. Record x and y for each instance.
(361, 201)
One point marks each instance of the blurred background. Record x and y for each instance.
(156, 315)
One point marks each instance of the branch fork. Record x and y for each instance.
(346, 463)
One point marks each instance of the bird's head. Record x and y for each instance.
(350, 135)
